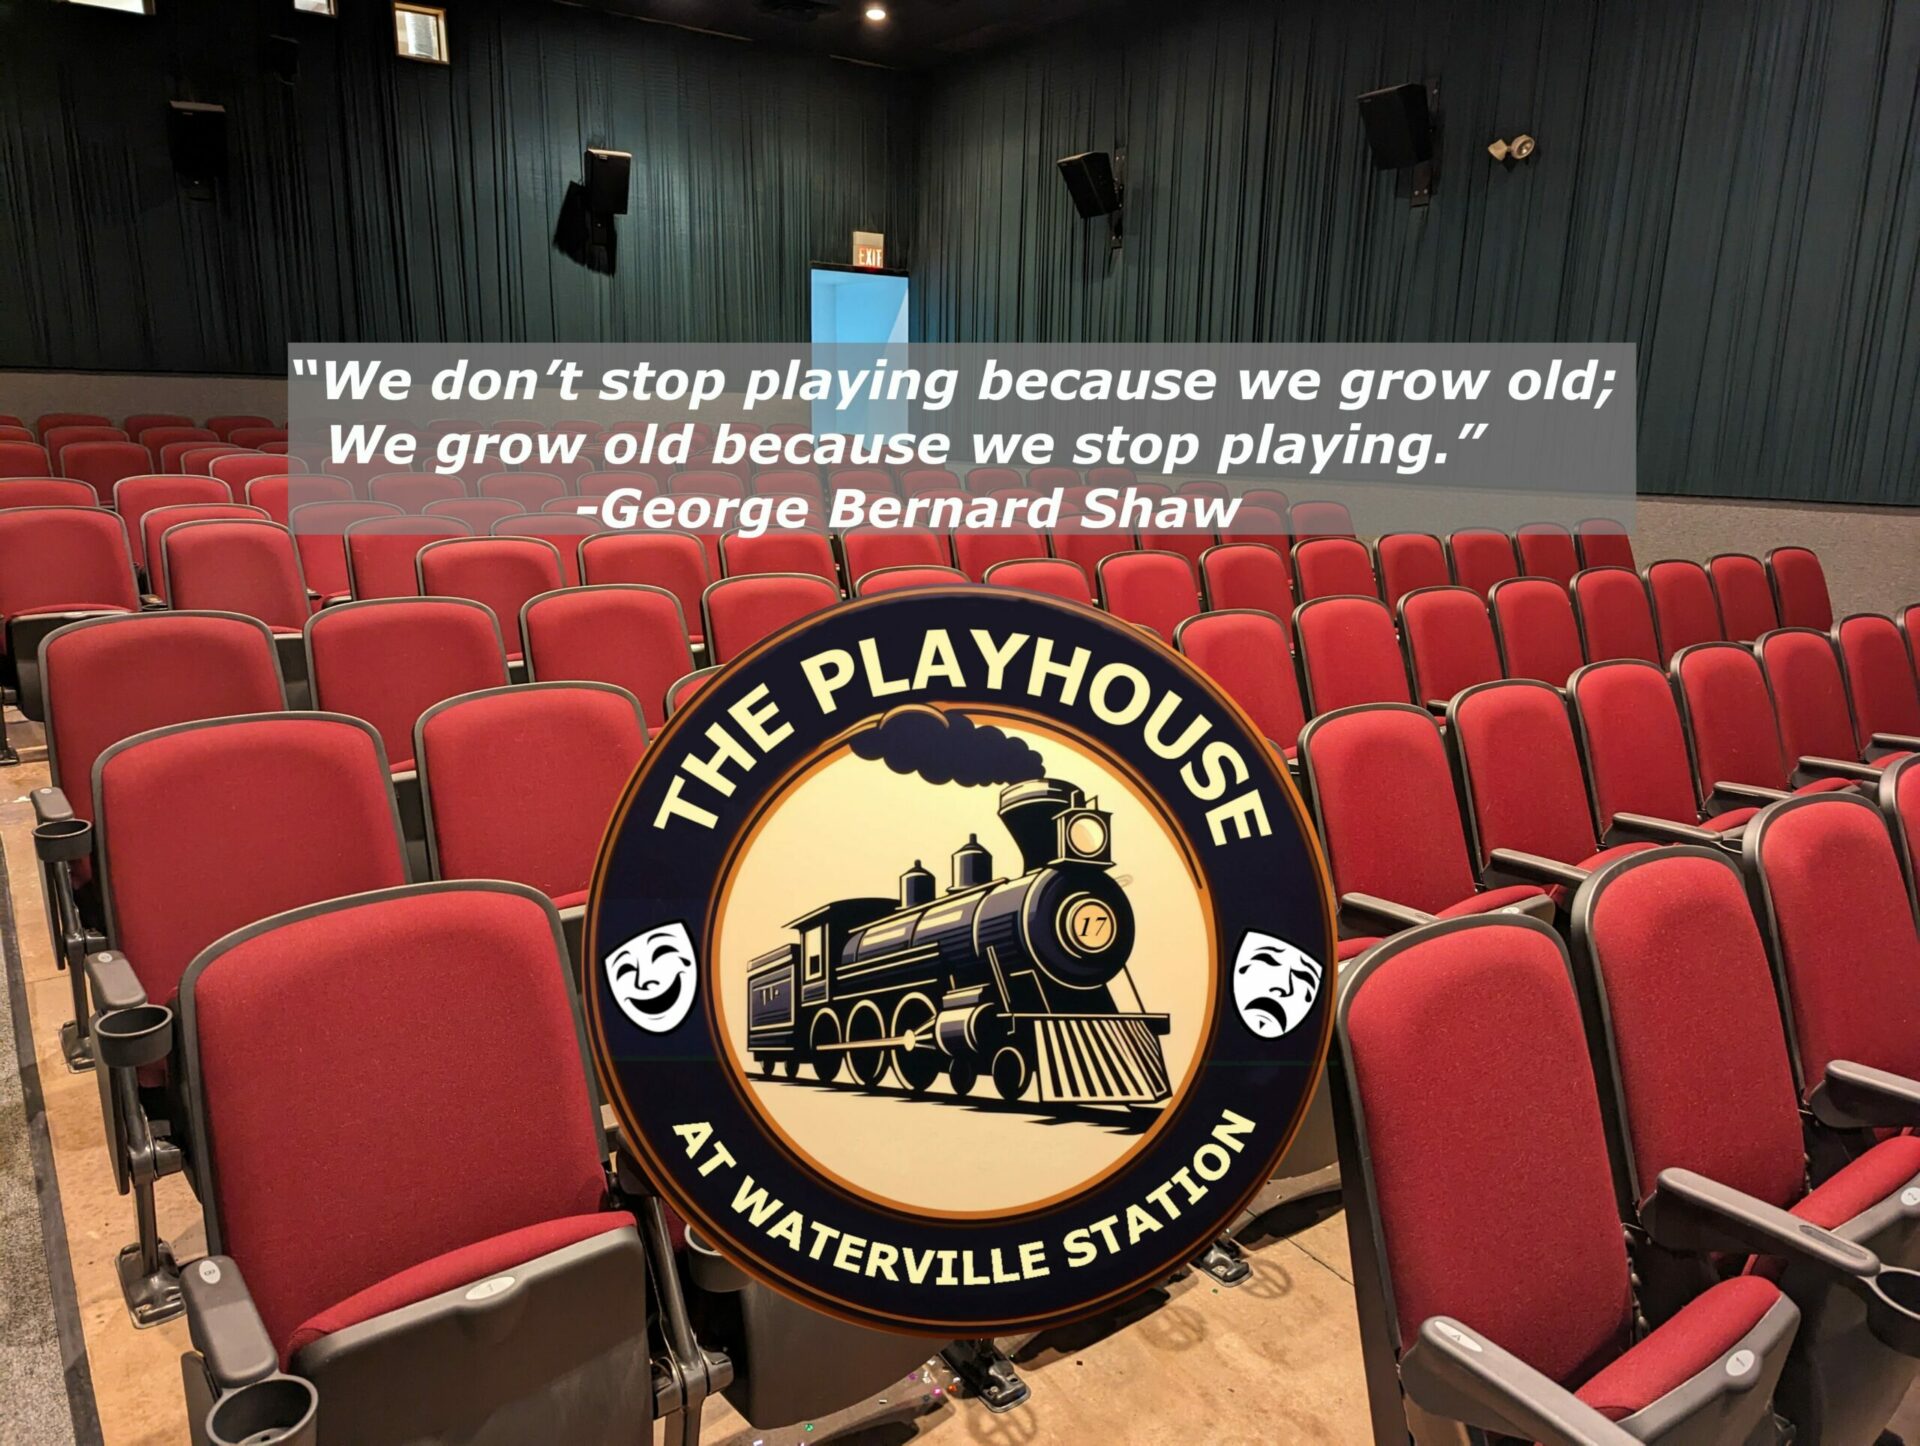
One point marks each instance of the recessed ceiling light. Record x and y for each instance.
(876, 12)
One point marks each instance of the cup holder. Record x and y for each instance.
(711, 1270)
(278, 1411)
(132, 1038)
(62, 840)
(1894, 1312)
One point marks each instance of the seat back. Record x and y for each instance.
(780, 551)
(1520, 772)
(102, 464)
(1879, 676)
(676, 561)
(1154, 589)
(254, 1005)
(1449, 641)
(685, 688)
(1087, 549)
(154, 525)
(1534, 625)
(27, 459)
(1051, 575)
(789, 482)
(564, 530)
(868, 549)
(868, 481)
(1406, 561)
(1799, 588)
(198, 459)
(157, 439)
(47, 421)
(626, 634)
(1463, 1098)
(1669, 935)
(975, 552)
(897, 579)
(1746, 597)
(53, 558)
(1237, 575)
(536, 826)
(1248, 653)
(1728, 713)
(1319, 518)
(208, 826)
(1481, 557)
(108, 678)
(1333, 567)
(236, 565)
(1809, 694)
(1547, 550)
(502, 572)
(1840, 926)
(1616, 621)
(532, 490)
(412, 491)
(46, 492)
(605, 484)
(381, 552)
(278, 493)
(319, 532)
(137, 422)
(388, 660)
(1900, 804)
(57, 439)
(707, 482)
(135, 497)
(1631, 737)
(237, 469)
(740, 611)
(1684, 609)
(476, 514)
(1602, 542)
(224, 427)
(1349, 654)
(915, 480)
(984, 481)
(1389, 816)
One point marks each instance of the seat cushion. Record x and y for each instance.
(1732, 819)
(1824, 785)
(1488, 900)
(1863, 1183)
(468, 1264)
(1702, 1331)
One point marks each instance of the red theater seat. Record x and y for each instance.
(564, 531)
(1333, 567)
(279, 493)
(1684, 609)
(869, 549)
(707, 482)
(381, 552)
(1349, 653)
(975, 552)
(56, 564)
(626, 634)
(1248, 653)
(226, 425)
(135, 497)
(154, 525)
(157, 439)
(1880, 683)
(502, 572)
(741, 611)
(1086, 549)
(1547, 550)
(57, 439)
(685, 688)
(1449, 642)
(1319, 519)
(1818, 728)
(239, 469)
(780, 551)
(139, 422)
(388, 660)
(102, 464)
(258, 436)
(1735, 738)
(1745, 595)
(1051, 575)
(1799, 588)
(1404, 561)
(916, 480)
(1616, 621)
(1461, 1068)
(319, 531)
(896, 579)
(1602, 542)
(789, 482)
(538, 826)
(49, 420)
(605, 484)
(24, 459)
(477, 514)
(1236, 575)
(531, 490)
(1534, 624)
(412, 491)
(46, 492)
(676, 561)
(198, 460)
(1480, 557)
(984, 481)
(1156, 590)
(237, 565)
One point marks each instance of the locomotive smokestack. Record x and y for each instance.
(916, 887)
(1029, 811)
(972, 865)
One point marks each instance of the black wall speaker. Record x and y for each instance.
(1399, 128)
(197, 140)
(1089, 178)
(606, 182)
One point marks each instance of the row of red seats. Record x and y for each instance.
(136, 424)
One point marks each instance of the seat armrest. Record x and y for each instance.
(224, 1323)
(1750, 792)
(1839, 768)
(1437, 707)
(50, 805)
(59, 837)
(1460, 1375)
(1540, 870)
(1857, 1096)
(1689, 1212)
(1900, 742)
(128, 1031)
(115, 986)
(1666, 829)
(1398, 916)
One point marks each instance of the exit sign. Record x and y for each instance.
(869, 249)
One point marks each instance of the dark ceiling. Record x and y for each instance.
(916, 34)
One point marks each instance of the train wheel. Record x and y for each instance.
(865, 1023)
(917, 1065)
(961, 1076)
(825, 1062)
(1010, 1072)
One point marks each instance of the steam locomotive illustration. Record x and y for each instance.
(1021, 979)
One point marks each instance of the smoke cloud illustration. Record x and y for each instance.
(947, 748)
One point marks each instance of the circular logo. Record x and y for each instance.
(962, 961)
